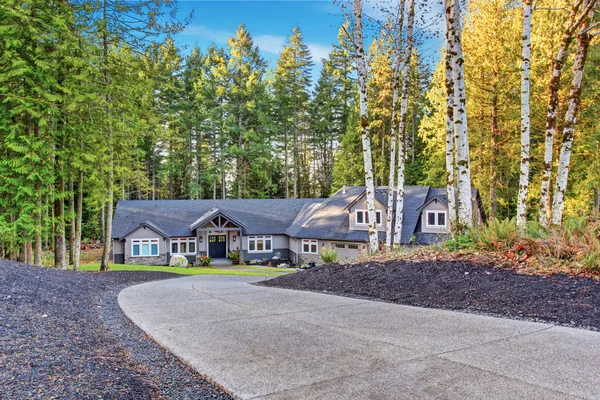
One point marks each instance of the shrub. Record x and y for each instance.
(205, 260)
(496, 235)
(329, 255)
(460, 242)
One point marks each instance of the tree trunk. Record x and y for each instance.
(76, 244)
(402, 125)
(71, 220)
(109, 207)
(450, 142)
(361, 65)
(494, 157)
(60, 259)
(562, 175)
(525, 120)
(37, 260)
(464, 203)
(553, 88)
(392, 176)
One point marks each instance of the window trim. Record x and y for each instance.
(151, 241)
(365, 217)
(264, 238)
(310, 244)
(187, 240)
(436, 212)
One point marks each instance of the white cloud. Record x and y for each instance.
(318, 51)
(272, 44)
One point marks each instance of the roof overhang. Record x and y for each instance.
(211, 215)
(145, 224)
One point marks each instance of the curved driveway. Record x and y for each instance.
(271, 343)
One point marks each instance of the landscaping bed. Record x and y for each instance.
(459, 285)
(63, 335)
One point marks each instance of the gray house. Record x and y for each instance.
(149, 232)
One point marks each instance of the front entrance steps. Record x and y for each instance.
(220, 261)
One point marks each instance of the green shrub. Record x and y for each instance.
(460, 242)
(496, 235)
(329, 255)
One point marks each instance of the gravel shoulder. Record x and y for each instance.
(63, 335)
(461, 286)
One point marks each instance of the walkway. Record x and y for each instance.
(280, 344)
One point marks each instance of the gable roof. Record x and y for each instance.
(210, 215)
(174, 217)
(147, 224)
(329, 220)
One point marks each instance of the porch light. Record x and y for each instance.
(234, 238)
(201, 239)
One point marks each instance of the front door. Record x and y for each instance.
(216, 246)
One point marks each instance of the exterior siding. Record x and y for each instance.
(362, 205)
(434, 206)
(146, 233)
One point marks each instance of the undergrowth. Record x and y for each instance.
(575, 243)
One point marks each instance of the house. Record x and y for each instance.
(150, 231)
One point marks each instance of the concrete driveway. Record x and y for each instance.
(281, 344)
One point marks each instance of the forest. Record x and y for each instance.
(99, 104)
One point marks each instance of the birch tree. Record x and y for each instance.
(450, 143)
(402, 124)
(392, 176)
(553, 87)
(361, 66)
(525, 120)
(562, 175)
(464, 204)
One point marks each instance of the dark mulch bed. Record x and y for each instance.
(63, 335)
(459, 285)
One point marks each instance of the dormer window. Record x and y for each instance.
(362, 217)
(435, 219)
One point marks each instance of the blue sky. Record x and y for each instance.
(269, 23)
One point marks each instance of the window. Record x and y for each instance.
(184, 245)
(310, 246)
(362, 217)
(353, 246)
(435, 219)
(339, 246)
(144, 247)
(260, 244)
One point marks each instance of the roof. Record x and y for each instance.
(329, 220)
(174, 217)
(325, 219)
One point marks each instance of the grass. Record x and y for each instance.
(259, 271)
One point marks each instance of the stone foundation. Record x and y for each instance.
(310, 258)
(161, 259)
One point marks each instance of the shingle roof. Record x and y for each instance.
(325, 219)
(329, 220)
(174, 217)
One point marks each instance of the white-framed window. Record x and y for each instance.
(361, 217)
(184, 245)
(260, 244)
(339, 245)
(353, 246)
(144, 247)
(436, 219)
(310, 246)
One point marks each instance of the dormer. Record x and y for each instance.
(358, 214)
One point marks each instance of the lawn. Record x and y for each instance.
(257, 271)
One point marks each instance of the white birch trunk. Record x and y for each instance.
(392, 180)
(463, 164)
(402, 125)
(553, 87)
(525, 120)
(450, 142)
(361, 65)
(562, 175)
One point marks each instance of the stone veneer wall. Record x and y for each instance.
(310, 258)
(161, 259)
